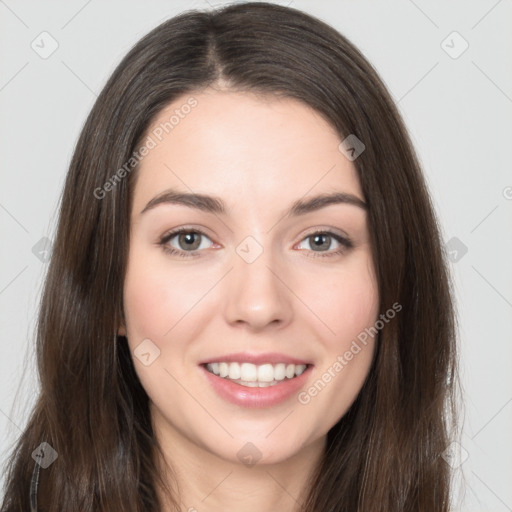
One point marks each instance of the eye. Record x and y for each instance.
(187, 240)
(321, 242)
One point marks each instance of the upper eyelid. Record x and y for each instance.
(169, 235)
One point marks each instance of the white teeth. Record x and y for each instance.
(252, 375)
(266, 373)
(248, 372)
(279, 371)
(300, 369)
(223, 369)
(234, 371)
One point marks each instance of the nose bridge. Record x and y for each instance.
(257, 295)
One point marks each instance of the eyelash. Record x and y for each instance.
(345, 243)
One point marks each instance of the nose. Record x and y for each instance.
(257, 294)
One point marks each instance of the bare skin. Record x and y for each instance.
(259, 156)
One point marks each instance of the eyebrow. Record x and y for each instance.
(216, 205)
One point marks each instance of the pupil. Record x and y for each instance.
(318, 240)
(189, 240)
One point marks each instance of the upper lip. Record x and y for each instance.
(257, 359)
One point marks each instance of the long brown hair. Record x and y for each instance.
(385, 453)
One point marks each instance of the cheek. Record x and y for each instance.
(348, 308)
(354, 308)
(157, 299)
(157, 295)
(149, 303)
(345, 300)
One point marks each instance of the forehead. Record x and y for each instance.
(243, 147)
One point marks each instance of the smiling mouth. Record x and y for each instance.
(252, 375)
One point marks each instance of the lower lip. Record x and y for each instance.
(245, 396)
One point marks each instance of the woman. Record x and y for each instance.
(248, 304)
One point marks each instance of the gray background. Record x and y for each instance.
(458, 110)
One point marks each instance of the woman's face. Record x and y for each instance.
(256, 295)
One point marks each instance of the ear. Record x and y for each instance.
(121, 331)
